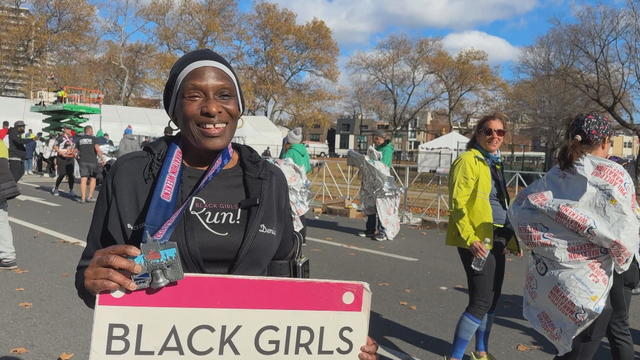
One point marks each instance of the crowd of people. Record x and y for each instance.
(581, 269)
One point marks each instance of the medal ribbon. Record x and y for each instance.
(162, 217)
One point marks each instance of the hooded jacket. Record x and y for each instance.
(128, 144)
(123, 203)
(299, 155)
(387, 152)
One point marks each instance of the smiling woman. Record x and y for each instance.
(224, 207)
(197, 170)
(479, 228)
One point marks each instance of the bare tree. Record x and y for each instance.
(467, 79)
(597, 54)
(122, 24)
(399, 72)
(541, 105)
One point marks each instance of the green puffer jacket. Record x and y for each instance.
(299, 155)
(387, 152)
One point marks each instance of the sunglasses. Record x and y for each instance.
(490, 131)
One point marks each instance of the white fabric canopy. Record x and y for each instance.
(452, 141)
(438, 154)
(257, 132)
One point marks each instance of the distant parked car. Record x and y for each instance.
(317, 149)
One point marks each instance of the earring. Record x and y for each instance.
(171, 121)
(239, 120)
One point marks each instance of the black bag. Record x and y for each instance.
(299, 264)
(8, 186)
(296, 267)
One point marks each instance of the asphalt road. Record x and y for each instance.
(417, 283)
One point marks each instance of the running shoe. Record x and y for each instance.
(365, 234)
(94, 200)
(486, 357)
(8, 264)
(55, 192)
(380, 237)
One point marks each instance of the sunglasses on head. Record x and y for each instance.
(490, 131)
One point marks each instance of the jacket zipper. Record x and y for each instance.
(253, 229)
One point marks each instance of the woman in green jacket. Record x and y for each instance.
(477, 227)
(296, 151)
(384, 146)
(373, 227)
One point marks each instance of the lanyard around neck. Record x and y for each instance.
(161, 217)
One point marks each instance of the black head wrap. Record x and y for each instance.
(186, 64)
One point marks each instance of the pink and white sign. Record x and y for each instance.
(234, 317)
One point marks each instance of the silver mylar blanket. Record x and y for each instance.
(580, 225)
(379, 190)
(299, 189)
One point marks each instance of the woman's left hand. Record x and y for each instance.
(368, 352)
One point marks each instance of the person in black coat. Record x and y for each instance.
(17, 150)
(237, 223)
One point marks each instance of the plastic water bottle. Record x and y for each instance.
(478, 262)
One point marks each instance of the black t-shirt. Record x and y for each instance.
(213, 222)
(65, 143)
(87, 149)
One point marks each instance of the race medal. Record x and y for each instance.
(160, 265)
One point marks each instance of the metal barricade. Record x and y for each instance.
(425, 196)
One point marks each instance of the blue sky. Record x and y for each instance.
(500, 27)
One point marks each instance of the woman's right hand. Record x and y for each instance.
(478, 249)
(110, 269)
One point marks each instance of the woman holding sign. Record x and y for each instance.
(225, 208)
(581, 224)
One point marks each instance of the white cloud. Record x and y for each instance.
(354, 21)
(498, 49)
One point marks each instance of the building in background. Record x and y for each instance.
(14, 54)
(317, 132)
(624, 146)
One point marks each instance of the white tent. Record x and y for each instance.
(452, 141)
(438, 154)
(14, 109)
(257, 131)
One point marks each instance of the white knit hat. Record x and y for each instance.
(294, 136)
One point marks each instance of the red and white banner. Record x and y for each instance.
(232, 317)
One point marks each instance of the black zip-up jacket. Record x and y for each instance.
(123, 202)
(16, 144)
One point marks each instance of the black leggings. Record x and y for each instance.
(618, 332)
(65, 167)
(485, 286)
(17, 169)
(585, 345)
